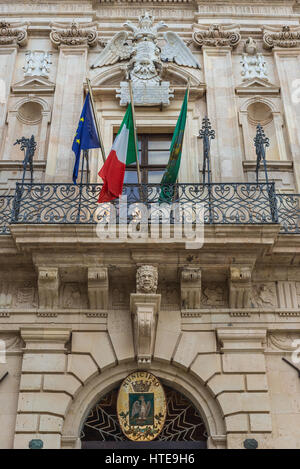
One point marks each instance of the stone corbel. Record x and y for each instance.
(74, 34)
(98, 287)
(144, 309)
(240, 286)
(190, 288)
(13, 34)
(217, 35)
(48, 287)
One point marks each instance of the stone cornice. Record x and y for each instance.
(217, 35)
(74, 34)
(13, 33)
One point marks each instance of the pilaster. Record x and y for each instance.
(226, 155)
(41, 413)
(73, 42)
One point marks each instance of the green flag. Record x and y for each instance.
(172, 169)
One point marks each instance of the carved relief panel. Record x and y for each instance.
(214, 295)
(20, 294)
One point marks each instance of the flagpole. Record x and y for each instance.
(96, 120)
(135, 138)
(188, 95)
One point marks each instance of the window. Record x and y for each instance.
(154, 151)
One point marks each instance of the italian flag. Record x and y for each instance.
(123, 152)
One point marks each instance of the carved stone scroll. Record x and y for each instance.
(74, 34)
(13, 34)
(217, 35)
(285, 37)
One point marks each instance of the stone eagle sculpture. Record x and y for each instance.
(146, 58)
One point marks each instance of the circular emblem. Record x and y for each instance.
(141, 406)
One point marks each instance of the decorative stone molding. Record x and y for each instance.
(46, 314)
(73, 34)
(97, 315)
(289, 314)
(190, 288)
(33, 86)
(98, 287)
(257, 87)
(147, 279)
(217, 35)
(285, 37)
(13, 34)
(48, 287)
(240, 286)
(144, 309)
(4, 315)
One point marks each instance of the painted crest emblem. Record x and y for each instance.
(141, 406)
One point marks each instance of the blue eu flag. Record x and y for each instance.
(86, 136)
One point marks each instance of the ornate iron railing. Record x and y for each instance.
(226, 203)
(6, 205)
(288, 206)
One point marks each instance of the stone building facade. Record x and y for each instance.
(78, 313)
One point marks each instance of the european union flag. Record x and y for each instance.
(86, 136)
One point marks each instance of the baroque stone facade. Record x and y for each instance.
(79, 313)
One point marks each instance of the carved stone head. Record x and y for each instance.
(146, 279)
(251, 46)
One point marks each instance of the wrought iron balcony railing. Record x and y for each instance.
(6, 205)
(288, 206)
(224, 203)
(234, 203)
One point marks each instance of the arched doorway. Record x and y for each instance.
(184, 427)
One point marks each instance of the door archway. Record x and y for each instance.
(183, 428)
(202, 398)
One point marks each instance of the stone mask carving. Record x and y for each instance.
(147, 279)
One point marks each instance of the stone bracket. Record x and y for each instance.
(240, 283)
(190, 288)
(144, 309)
(48, 287)
(98, 287)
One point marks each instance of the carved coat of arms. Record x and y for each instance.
(141, 406)
(146, 60)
